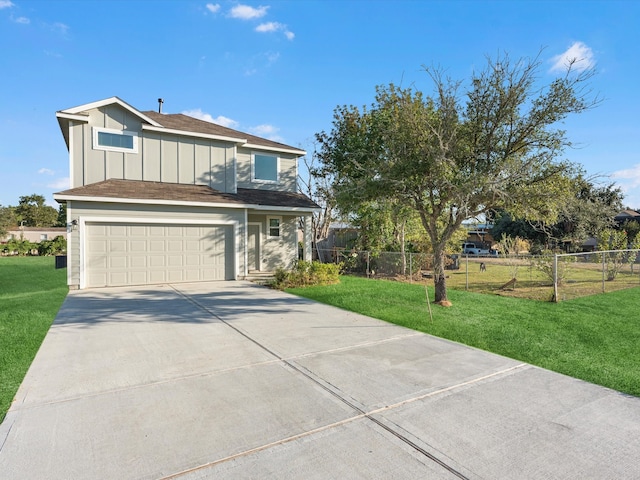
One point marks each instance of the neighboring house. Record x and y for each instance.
(34, 234)
(158, 198)
(626, 215)
(479, 233)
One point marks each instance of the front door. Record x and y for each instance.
(253, 234)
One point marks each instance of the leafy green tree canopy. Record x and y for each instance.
(453, 156)
(33, 212)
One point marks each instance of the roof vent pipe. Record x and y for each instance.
(160, 102)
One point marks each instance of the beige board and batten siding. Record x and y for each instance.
(161, 157)
(287, 173)
(216, 229)
(277, 251)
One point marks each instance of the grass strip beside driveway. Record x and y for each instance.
(593, 338)
(31, 293)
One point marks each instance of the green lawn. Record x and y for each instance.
(594, 338)
(31, 292)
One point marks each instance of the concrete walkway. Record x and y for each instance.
(231, 380)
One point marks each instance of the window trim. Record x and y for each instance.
(253, 168)
(97, 146)
(274, 217)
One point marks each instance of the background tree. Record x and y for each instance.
(319, 189)
(589, 209)
(62, 215)
(33, 212)
(618, 242)
(7, 220)
(632, 227)
(451, 157)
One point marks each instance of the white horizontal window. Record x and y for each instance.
(265, 168)
(115, 140)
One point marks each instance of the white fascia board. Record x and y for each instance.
(285, 209)
(110, 101)
(185, 133)
(73, 116)
(138, 201)
(275, 149)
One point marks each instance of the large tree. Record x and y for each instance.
(32, 212)
(452, 157)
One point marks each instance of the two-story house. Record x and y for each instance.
(163, 198)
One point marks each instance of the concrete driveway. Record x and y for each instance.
(231, 380)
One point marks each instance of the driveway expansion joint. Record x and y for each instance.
(337, 394)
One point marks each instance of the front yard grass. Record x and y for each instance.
(31, 293)
(595, 338)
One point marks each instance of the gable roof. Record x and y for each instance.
(139, 191)
(174, 123)
(184, 123)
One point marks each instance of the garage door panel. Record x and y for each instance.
(175, 261)
(138, 261)
(138, 254)
(157, 245)
(157, 276)
(174, 245)
(117, 262)
(157, 261)
(138, 277)
(117, 278)
(117, 230)
(138, 245)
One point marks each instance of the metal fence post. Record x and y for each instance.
(555, 278)
(467, 272)
(368, 273)
(411, 267)
(604, 257)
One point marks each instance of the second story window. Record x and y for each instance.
(115, 140)
(264, 168)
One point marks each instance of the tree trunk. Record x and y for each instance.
(439, 277)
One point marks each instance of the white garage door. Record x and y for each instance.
(141, 254)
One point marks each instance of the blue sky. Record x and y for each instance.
(279, 68)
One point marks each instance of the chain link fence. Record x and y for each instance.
(547, 278)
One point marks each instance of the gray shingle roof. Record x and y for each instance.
(144, 190)
(185, 123)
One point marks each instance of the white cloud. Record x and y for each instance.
(272, 57)
(630, 176)
(60, 27)
(245, 12)
(60, 183)
(21, 20)
(629, 180)
(270, 27)
(46, 171)
(5, 4)
(213, 7)
(267, 131)
(579, 54)
(220, 120)
(225, 122)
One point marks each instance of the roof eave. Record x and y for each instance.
(61, 197)
(109, 101)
